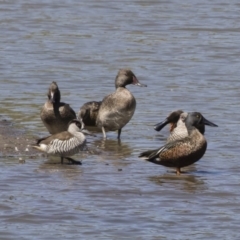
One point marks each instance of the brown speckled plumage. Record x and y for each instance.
(88, 113)
(185, 146)
(117, 109)
(56, 115)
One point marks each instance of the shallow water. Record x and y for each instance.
(187, 52)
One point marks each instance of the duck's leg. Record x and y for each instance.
(61, 160)
(178, 171)
(119, 133)
(73, 161)
(104, 133)
(119, 142)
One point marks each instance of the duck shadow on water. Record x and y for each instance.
(51, 161)
(52, 165)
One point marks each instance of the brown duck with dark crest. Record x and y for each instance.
(56, 115)
(117, 109)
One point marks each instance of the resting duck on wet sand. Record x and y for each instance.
(64, 144)
(185, 145)
(117, 109)
(172, 119)
(88, 113)
(56, 115)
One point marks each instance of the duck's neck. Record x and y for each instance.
(73, 129)
(179, 132)
(54, 96)
(119, 85)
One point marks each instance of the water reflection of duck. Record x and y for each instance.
(64, 144)
(172, 119)
(188, 183)
(112, 152)
(185, 145)
(117, 109)
(113, 148)
(56, 115)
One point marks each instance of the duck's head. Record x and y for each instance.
(197, 120)
(125, 77)
(76, 126)
(172, 119)
(54, 94)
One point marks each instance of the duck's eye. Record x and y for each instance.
(198, 116)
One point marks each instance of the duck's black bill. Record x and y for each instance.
(137, 83)
(159, 126)
(207, 122)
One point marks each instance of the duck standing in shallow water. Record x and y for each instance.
(64, 144)
(172, 119)
(88, 113)
(185, 145)
(117, 109)
(56, 115)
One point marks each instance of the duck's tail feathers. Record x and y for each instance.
(149, 155)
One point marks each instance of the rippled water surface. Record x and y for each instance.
(187, 52)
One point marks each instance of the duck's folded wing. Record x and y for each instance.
(167, 152)
(59, 136)
(151, 154)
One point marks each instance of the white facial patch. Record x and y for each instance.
(52, 94)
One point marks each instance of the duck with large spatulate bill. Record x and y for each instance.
(185, 146)
(172, 119)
